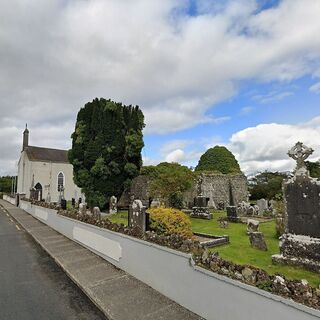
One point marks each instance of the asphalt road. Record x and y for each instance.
(32, 286)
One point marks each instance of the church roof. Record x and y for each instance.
(47, 154)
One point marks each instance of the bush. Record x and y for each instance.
(169, 181)
(170, 221)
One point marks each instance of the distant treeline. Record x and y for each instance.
(268, 184)
(6, 184)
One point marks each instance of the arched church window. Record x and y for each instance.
(60, 181)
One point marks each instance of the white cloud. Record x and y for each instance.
(149, 161)
(259, 148)
(173, 145)
(265, 146)
(246, 110)
(175, 156)
(57, 55)
(273, 96)
(315, 88)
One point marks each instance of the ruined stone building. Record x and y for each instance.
(221, 189)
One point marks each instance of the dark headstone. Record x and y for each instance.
(221, 206)
(80, 200)
(201, 201)
(73, 202)
(302, 196)
(300, 244)
(200, 209)
(232, 213)
(147, 221)
(63, 204)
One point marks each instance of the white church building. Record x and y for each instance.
(45, 174)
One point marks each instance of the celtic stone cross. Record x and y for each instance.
(300, 153)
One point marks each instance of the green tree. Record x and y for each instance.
(218, 159)
(5, 184)
(169, 181)
(266, 185)
(106, 149)
(314, 168)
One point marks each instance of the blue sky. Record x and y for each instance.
(291, 102)
(241, 73)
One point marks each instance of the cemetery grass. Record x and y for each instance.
(239, 250)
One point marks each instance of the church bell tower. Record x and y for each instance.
(25, 138)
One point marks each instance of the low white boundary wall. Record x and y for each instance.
(173, 274)
(9, 199)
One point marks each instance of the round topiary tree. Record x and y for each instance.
(218, 159)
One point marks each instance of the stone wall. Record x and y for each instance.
(140, 190)
(183, 280)
(214, 186)
(217, 187)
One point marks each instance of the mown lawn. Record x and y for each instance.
(239, 250)
(120, 217)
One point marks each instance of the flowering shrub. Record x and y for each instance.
(170, 221)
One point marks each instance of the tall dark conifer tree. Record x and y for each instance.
(106, 149)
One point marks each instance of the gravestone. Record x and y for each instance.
(201, 209)
(300, 244)
(262, 206)
(113, 205)
(63, 204)
(96, 213)
(251, 211)
(155, 203)
(257, 241)
(48, 197)
(82, 209)
(243, 208)
(232, 214)
(221, 205)
(137, 216)
(252, 226)
(73, 202)
(223, 224)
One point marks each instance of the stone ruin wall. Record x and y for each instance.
(214, 186)
(217, 188)
(140, 190)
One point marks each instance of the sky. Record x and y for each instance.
(244, 74)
